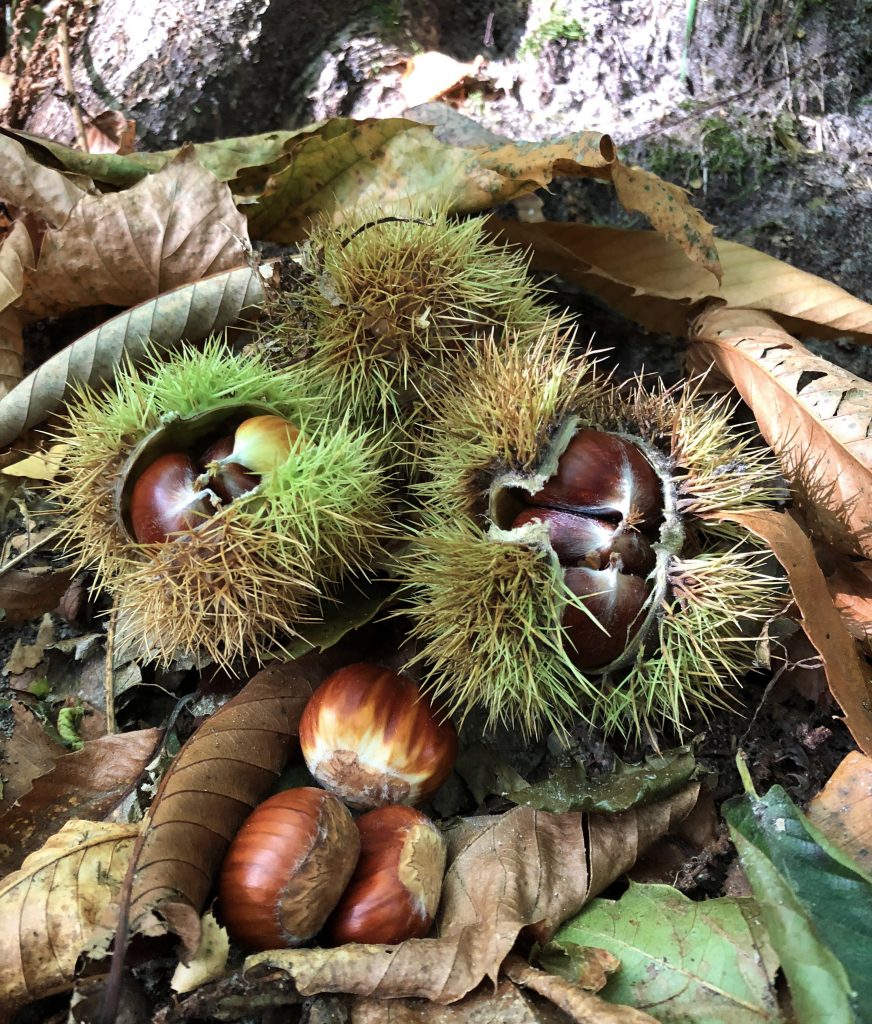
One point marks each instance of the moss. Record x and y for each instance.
(557, 27)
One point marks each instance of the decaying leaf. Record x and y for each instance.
(216, 780)
(208, 962)
(522, 870)
(188, 313)
(48, 909)
(647, 276)
(25, 656)
(687, 962)
(816, 416)
(88, 783)
(122, 248)
(26, 752)
(16, 255)
(850, 585)
(28, 185)
(28, 593)
(848, 674)
(843, 808)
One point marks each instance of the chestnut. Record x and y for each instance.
(261, 443)
(605, 475)
(228, 479)
(585, 540)
(612, 614)
(370, 736)
(394, 892)
(286, 868)
(165, 499)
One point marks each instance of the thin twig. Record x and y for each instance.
(29, 550)
(67, 72)
(109, 673)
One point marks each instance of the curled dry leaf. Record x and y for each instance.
(89, 783)
(16, 255)
(647, 276)
(816, 416)
(843, 809)
(28, 185)
(850, 585)
(525, 870)
(28, 593)
(849, 676)
(215, 781)
(49, 908)
(121, 248)
(188, 313)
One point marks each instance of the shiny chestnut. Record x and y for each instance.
(165, 499)
(394, 892)
(286, 869)
(610, 615)
(370, 736)
(227, 478)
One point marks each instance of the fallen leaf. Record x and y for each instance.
(690, 963)
(850, 586)
(110, 132)
(189, 313)
(87, 784)
(581, 1006)
(522, 870)
(849, 677)
(26, 752)
(122, 248)
(648, 277)
(28, 185)
(16, 255)
(815, 902)
(431, 74)
(843, 808)
(816, 416)
(42, 466)
(25, 656)
(48, 909)
(28, 593)
(585, 966)
(215, 781)
(504, 1003)
(208, 962)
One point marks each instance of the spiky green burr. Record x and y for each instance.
(247, 578)
(384, 306)
(488, 600)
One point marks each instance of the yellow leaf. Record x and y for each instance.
(40, 466)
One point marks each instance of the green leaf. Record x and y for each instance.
(682, 962)
(355, 606)
(628, 785)
(816, 903)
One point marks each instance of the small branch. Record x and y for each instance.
(109, 673)
(67, 72)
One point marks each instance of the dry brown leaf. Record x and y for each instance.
(25, 656)
(121, 248)
(188, 313)
(525, 869)
(16, 255)
(30, 186)
(26, 752)
(88, 783)
(848, 675)
(584, 1007)
(843, 808)
(49, 909)
(215, 781)
(431, 74)
(648, 277)
(28, 593)
(816, 416)
(111, 132)
(209, 961)
(850, 586)
(670, 212)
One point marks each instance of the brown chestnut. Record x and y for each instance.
(603, 474)
(286, 868)
(394, 892)
(370, 736)
(228, 479)
(616, 600)
(165, 499)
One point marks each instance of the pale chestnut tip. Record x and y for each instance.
(261, 443)
(286, 869)
(370, 736)
(394, 892)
